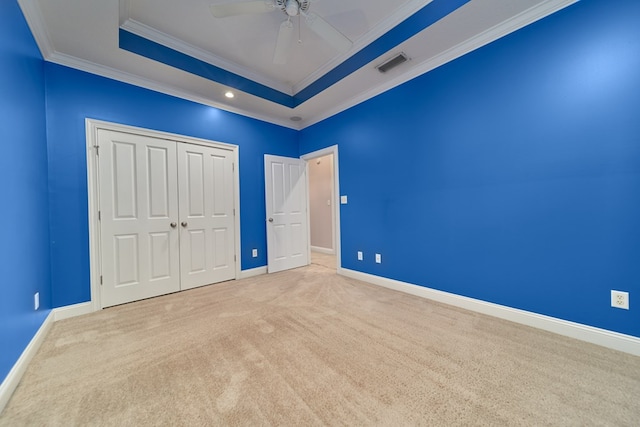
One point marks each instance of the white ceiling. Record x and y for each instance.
(84, 34)
(248, 41)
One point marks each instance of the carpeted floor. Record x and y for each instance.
(308, 347)
(325, 260)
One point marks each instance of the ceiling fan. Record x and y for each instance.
(291, 9)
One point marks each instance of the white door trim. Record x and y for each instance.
(336, 197)
(91, 127)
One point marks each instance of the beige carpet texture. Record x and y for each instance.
(307, 347)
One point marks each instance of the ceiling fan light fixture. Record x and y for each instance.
(292, 8)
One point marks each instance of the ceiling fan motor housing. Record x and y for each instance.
(293, 7)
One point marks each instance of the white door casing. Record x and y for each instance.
(139, 214)
(287, 217)
(206, 215)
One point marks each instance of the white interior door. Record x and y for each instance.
(139, 215)
(286, 202)
(207, 233)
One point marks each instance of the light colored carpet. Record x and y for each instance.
(308, 347)
(324, 260)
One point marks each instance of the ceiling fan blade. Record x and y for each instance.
(328, 32)
(242, 8)
(284, 42)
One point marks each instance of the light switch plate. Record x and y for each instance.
(343, 200)
(360, 256)
(378, 259)
(254, 253)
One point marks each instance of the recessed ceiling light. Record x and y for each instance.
(295, 118)
(229, 94)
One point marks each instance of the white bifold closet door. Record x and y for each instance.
(205, 181)
(138, 206)
(166, 216)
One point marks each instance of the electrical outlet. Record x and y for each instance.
(36, 300)
(620, 299)
(378, 259)
(360, 256)
(254, 253)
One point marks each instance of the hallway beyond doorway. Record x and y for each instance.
(325, 260)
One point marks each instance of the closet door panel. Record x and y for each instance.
(138, 205)
(207, 223)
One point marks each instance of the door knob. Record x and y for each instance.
(173, 225)
(270, 219)
(184, 223)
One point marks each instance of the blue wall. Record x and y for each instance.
(74, 95)
(24, 245)
(511, 175)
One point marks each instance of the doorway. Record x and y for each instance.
(324, 209)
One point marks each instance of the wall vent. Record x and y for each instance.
(392, 63)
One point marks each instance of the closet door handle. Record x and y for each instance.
(184, 223)
(270, 219)
(173, 225)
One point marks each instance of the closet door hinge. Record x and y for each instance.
(99, 216)
(234, 258)
(233, 167)
(234, 211)
(100, 280)
(97, 147)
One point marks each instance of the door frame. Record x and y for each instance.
(336, 199)
(92, 126)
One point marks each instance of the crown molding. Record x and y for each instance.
(35, 20)
(121, 76)
(498, 31)
(124, 11)
(164, 39)
(369, 37)
(171, 42)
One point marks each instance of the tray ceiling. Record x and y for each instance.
(181, 49)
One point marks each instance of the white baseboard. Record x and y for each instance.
(245, 274)
(74, 310)
(603, 337)
(12, 380)
(323, 250)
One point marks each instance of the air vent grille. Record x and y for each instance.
(392, 63)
